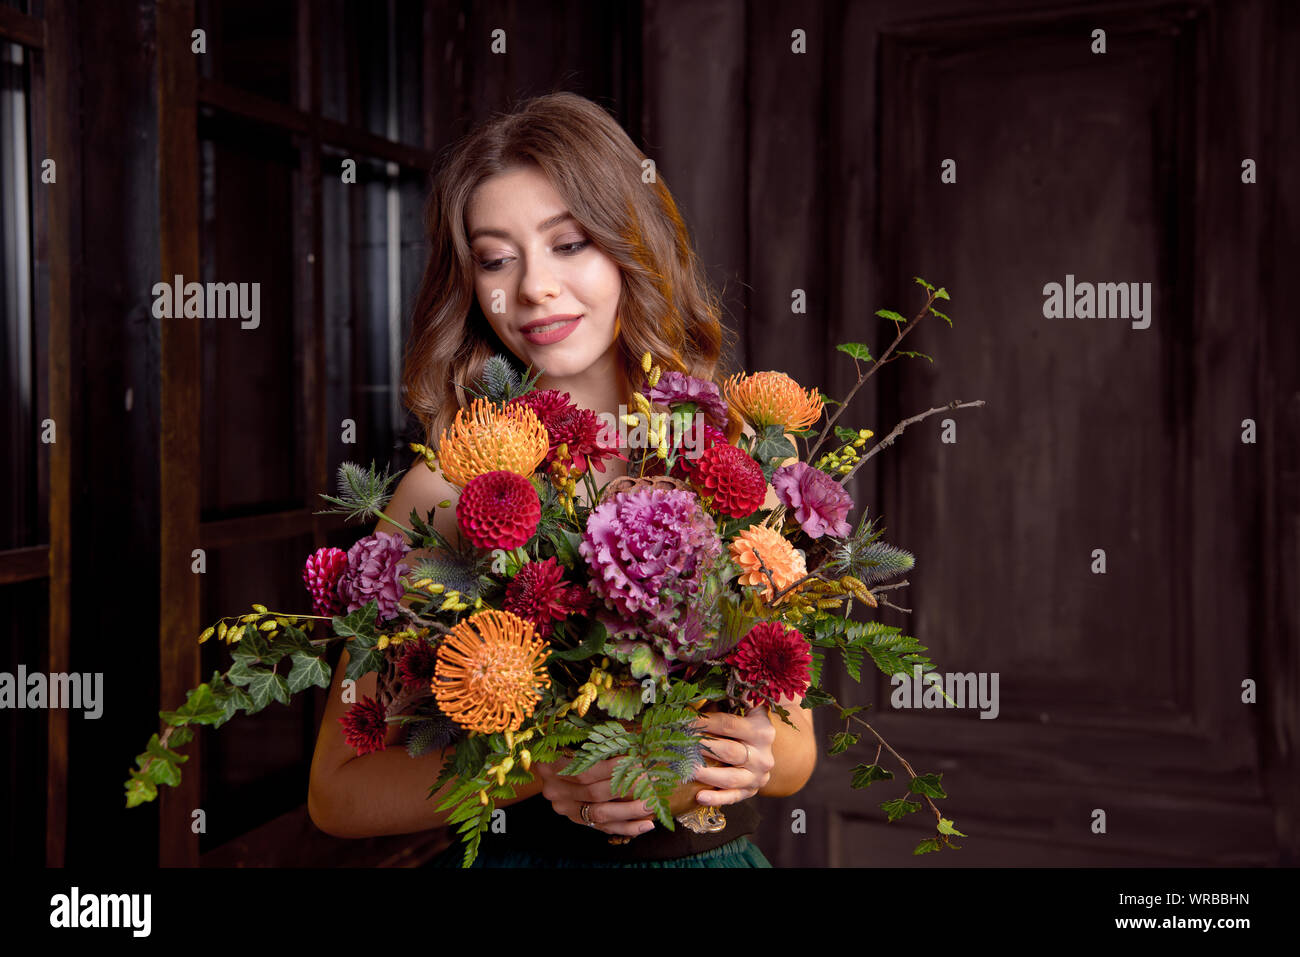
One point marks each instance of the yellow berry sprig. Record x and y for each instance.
(261, 619)
(846, 456)
(589, 690)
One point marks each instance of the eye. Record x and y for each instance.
(575, 247)
(492, 265)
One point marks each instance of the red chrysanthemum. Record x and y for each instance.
(539, 593)
(418, 662)
(321, 575)
(687, 457)
(731, 478)
(547, 404)
(774, 661)
(364, 726)
(498, 510)
(566, 424)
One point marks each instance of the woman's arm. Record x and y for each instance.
(384, 792)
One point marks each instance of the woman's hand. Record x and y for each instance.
(620, 816)
(744, 745)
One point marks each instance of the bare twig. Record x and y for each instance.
(898, 430)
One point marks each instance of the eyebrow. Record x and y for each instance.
(502, 234)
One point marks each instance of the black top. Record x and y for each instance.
(532, 825)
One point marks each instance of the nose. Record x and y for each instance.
(538, 282)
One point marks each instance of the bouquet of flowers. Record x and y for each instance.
(559, 629)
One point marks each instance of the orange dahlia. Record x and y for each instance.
(773, 398)
(490, 672)
(485, 438)
(786, 564)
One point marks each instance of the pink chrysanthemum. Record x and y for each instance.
(365, 727)
(730, 479)
(774, 661)
(820, 504)
(321, 575)
(498, 510)
(540, 594)
(374, 567)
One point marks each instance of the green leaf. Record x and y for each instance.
(945, 827)
(899, 807)
(928, 784)
(252, 646)
(856, 349)
(566, 543)
(923, 283)
(926, 846)
(244, 670)
(942, 294)
(182, 736)
(890, 314)
(905, 352)
(772, 444)
(361, 621)
(199, 708)
(265, 686)
(363, 655)
(842, 740)
(308, 670)
(815, 697)
(827, 400)
(293, 640)
(864, 775)
(139, 789)
(846, 712)
(233, 703)
(592, 644)
(936, 312)
(621, 701)
(845, 435)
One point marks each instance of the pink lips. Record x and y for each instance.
(553, 335)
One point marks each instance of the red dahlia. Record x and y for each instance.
(321, 575)
(687, 457)
(774, 661)
(364, 726)
(546, 403)
(418, 662)
(540, 594)
(567, 424)
(733, 480)
(498, 510)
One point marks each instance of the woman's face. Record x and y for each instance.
(549, 293)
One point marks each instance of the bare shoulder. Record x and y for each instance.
(423, 489)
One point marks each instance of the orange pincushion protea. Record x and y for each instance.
(786, 564)
(490, 671)
(484, 438)
(773, 398)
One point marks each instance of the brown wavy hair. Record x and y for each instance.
(666, 306)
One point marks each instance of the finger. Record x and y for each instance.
(739, 778)
(727, 796)
(725, 750)
(610, 812)
(597, 772)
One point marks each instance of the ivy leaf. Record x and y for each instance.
(363, 619)
(864, 775)
(856, 349)
(308, 671)
(293, 640)
(242, 672)
(815, 697)
(252, 646)
(592, 644)
(926, 846)
(363, 656)
(265, 686)
(772, 444)
(842, 740)
(928, 784)
(899, 807)
(620, 701)
(236, 700)
(890, 314)
(827, 400)
(845, 435)
(183, 736)
(139, 789)
(945, 827)
(199, 708)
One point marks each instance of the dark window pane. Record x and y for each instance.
(24, 732)
(20, 379)
(251, 397)
(250, 45)
(372, 68)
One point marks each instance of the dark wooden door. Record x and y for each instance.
(1121, 691)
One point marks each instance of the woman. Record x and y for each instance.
(550, 240)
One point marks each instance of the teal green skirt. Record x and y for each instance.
(742, 852)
